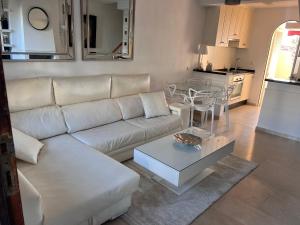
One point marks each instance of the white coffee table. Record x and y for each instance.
(179, 167)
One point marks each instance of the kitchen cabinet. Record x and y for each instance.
(246, 86)
(217, 79)
(225, 80)
(227, 26)
(245, 28)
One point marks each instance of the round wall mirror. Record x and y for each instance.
(38, 18)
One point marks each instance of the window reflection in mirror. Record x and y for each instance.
(43, 36)
(108, 31)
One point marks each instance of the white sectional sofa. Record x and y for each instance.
(87, 125)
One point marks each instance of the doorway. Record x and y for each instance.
(283, 60)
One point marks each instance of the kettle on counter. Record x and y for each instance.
(209, 67)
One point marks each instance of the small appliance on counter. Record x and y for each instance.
(209, 67)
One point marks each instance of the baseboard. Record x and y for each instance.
(283, 135)
(238, 104)
(252, 104)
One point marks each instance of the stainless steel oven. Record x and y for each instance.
(238, 82)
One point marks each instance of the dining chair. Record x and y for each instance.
(222, 98)
(173, 95)
(204, 102)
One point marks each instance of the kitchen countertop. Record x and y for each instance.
(291, 82)
(224, 72)
(213, 72)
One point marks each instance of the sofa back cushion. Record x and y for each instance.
(40, 123)
(125, 85)
(25, 94)
(73, 90)
(91, 114)
(131, 106)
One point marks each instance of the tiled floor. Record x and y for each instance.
(271, 194)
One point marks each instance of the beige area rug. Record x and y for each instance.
(153, 204)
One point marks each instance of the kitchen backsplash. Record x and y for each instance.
(220, 57)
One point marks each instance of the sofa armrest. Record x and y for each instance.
(183, 111)
(31, 202)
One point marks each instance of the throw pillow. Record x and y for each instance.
(27, 148)
(131, 107)
(155, 104)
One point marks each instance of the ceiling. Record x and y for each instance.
(256, 3)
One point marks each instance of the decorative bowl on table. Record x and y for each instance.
(188, 139)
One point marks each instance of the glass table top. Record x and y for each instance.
(180, 156)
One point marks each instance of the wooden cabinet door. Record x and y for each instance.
(244, 28)
(224, 25)
(246, 86)
(240, 21)
(221, 23)
(234, 23)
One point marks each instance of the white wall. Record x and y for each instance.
(166, 37)
(265, 21)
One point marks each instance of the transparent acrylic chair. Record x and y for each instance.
(173, 95)
(222, 98)
(204, 102)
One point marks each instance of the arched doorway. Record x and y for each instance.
(283, 60)
(284, 48)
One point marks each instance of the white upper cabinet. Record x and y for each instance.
(245, 28)
(227, 26)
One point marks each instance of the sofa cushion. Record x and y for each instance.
(77, 182)
(31, 202)
(72, 90)
(125, 85)
(40, 123)
(112, 136)
(25, 94)
(27, 148)
(155, 104)
(131, 107)
(157, 126)
(88, 115)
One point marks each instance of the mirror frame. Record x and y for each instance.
(86, 56)
(45, 13)
(69, 55)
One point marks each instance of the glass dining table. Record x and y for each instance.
(184, 87)
(218, 93)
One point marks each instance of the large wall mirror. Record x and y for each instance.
(107, 29)
(37, 30)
